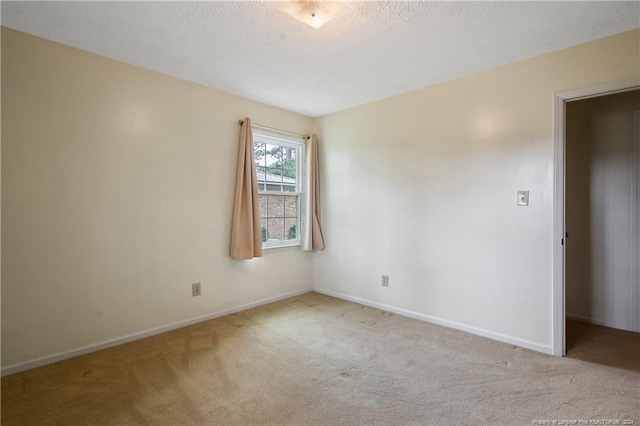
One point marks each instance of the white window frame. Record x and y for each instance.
(274, 138)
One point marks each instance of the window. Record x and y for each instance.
(279, 170)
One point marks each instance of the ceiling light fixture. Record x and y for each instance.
(313, 13)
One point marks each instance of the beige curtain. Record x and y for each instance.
(246, 238)
(311, 238)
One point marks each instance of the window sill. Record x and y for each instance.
(282, 247)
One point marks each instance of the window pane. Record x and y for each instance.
(263, 205)
(275, 174)
(273, 179)
(258, 154)
(288, 180)
(289, 172)
(262, 185)
(290, 206)
(273, 155)
(263, 231)
(289, 175)
(289, 160)
(275, 205)
(259, 158)
(275, 229)
(290, 226)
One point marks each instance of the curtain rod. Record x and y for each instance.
(273, 129)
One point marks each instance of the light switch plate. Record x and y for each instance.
(523, 198)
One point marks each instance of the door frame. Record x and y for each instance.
(558, 344)
(636, 220)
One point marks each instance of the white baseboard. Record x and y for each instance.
(61, 356)
(439, 321)
(603, 323)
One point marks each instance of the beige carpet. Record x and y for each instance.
(318, 360)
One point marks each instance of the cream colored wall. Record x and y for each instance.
(117, 195)
(422, 187)
(599, 267)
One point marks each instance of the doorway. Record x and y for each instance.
(595, 272)
(601, 175)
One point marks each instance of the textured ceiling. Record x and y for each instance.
(371, 50)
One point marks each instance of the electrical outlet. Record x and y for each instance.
(385, 281)
(195, 289)
(523, 198)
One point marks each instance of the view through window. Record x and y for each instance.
(279, 170)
